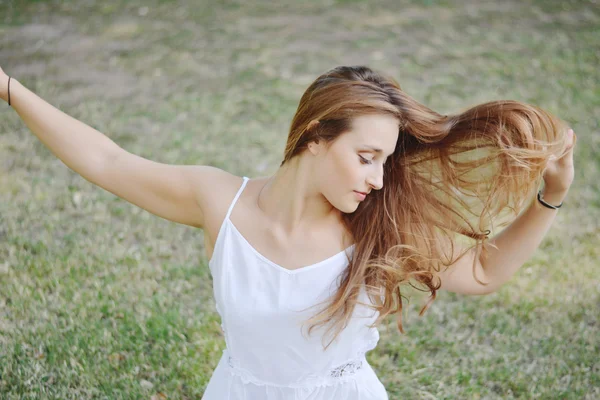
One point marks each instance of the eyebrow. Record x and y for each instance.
(375, 149)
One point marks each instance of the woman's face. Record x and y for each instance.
(353, 163)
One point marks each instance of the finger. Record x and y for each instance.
(567, 158)
(571, 139)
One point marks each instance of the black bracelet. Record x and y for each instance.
(9, 90)
(539, 197)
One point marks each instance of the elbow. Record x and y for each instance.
(100, 168)
(488, 286)
(483, 285)
(485, 290)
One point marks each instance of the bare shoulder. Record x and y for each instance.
(215, 189)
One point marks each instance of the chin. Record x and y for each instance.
(346, 206)
(349, 209)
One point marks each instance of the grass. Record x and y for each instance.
(102, 300)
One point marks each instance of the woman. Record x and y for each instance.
(374, 190)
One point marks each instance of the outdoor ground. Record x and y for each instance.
(102, 300)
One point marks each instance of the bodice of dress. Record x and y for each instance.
(263, 306)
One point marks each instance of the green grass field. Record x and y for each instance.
(102, 300)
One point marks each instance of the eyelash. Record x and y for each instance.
(364, 160)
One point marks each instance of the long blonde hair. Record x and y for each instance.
(456, 175)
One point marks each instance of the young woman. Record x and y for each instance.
(374, 191)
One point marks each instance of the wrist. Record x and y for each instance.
(554, 197)
(4, 81)
(10, 89)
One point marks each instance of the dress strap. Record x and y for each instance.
(235, 199)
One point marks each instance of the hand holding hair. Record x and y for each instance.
(560, 172)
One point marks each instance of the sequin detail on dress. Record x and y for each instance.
(349, 368)
(335, 376)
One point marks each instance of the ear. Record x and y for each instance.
(313, 146)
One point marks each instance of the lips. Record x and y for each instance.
(360, 196)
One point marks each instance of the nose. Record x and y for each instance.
(375, 180)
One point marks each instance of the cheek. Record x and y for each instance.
(341, 175)
(351, 170)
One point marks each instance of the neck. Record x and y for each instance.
(292, 201)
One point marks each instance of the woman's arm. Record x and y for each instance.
(81, 147)
(174, 192)
(516, 243)
(511, 249)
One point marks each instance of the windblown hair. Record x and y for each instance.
(451, 177)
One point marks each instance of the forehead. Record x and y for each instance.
(377, 130)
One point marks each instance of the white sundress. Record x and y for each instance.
(269, 354)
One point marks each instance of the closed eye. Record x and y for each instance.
(364, 160)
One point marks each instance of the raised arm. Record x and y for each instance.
(517, 242)
(512, 248)
(174, 192)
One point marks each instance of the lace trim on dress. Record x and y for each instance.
(342, 373)
(346, 369)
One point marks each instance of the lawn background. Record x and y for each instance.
(102, 300)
